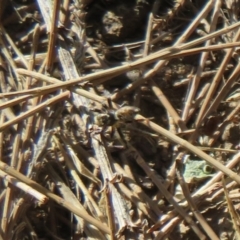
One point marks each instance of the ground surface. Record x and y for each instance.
(122, 102)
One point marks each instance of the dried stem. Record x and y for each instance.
(196, 79)
(188, 146)
(52, 35)
(205, 226)
(64, 203)
(152, 174)
(34, 110)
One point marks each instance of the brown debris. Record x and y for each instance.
(100, 102)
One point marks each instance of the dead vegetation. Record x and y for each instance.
(100, 103)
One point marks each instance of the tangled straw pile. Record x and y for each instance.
(100, 102)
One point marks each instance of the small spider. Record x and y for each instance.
(122, 115)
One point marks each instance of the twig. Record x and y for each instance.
(15, 101)
(205, 226)
(64, 12)
(45, 8)
(152, 174)
(167, 228)
(196, 79)
(215, 82)
(234, 215)
(109, 210)
(112, 72)
(24, 187)
(34, 110)
(224, 91)
(160, 64)
(133, 185)
(12, 44)
(79, 166)
(64, 203)
(7, 55)
(188, 146)
(106, 170)
(217, 177)
(167, 105)
(220, 128)
(71, 198)
(88, 198)
(199, 192)
(52, 35)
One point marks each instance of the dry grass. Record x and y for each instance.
(101, 101)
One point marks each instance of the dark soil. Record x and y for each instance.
(55, 145)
